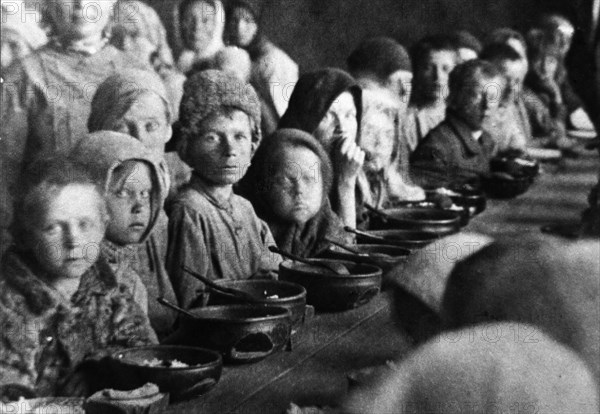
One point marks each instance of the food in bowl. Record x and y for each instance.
(164, 363)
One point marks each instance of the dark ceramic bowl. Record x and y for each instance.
(380, 255)
(203, 373)
(432, 220)
(400, 238)
(241, 333)
(287, 295)
(330, 291)
(500, 187)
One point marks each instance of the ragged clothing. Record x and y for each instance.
(103, 152)
(46, 101)
(215, 240)
(46, 339)
(450, 155)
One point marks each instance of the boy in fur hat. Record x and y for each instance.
(212, 231)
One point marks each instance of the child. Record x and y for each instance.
(433, 59)
(135, 102)
(468, 47)
(273, 71)
(199, 27)
(61, 307)
(382, 185)
(328, 104)
(129, 175)
(288, 183)
(509, 127)
(458, 151)
(212, 231)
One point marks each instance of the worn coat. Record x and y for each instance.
(46, 338)
(215, 240)
(450, 155)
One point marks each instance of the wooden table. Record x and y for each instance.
(333, 345)
(315, 372)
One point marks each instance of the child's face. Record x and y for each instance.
(515, 72)
(479, 100)
(377, 140)
(147, 121)
(548, 67)
(81, 19)
(222, 150)
(436, 73)
(199, 25)
(297, 193)
(66, 240)
(129, 204)
(242, 27)
(340, 122)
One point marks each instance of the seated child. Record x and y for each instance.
(61, 306)
(288, 183)
(468, 47)
(129, 173)
(328, 104)
(433, 59)
(382, 185)
(559, 32)
(135, 102)
(212, 231)
(458, 152)
(510, 37)
(509, 127)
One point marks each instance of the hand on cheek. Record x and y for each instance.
(348, 159)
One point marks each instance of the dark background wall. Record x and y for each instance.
(320, 33)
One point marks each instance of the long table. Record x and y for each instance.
(333, 345)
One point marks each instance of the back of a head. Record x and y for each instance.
(464, 76)
(551, 284)
(484, 369)
(497, 53)
(379, 56)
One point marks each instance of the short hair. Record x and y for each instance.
(421, 50)
(463, 75)
(554, 21)
(41, 177)
(503, 35)
(464, 39)
(497, 52)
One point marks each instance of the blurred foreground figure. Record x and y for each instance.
(484, 369)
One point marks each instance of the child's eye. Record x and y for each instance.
(52, 229)
(210, 138)
(120, 127)
(145, 194)
(241, 137)
(122, 194)
(86, 224)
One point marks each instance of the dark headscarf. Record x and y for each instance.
(258, 45)
(313, 95)
(307, 240)
(381, 56)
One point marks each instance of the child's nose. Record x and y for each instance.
(229, 146)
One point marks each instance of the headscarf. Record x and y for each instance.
(545, 282)
(209, 91)
(381, 56)
(137, 19)
(306, 240)
(258, 46)
(187, 57)
(496, 368)
(115, 96)
(104, 151)
(313, 95)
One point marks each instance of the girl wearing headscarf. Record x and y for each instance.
(288, 183)
(136, 103)
(198, 32)
(46, 96)
(273, 71)
(115, 162)
(328, 104)
(139, 32)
